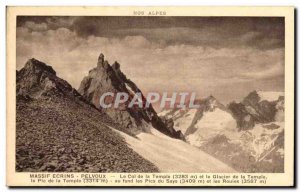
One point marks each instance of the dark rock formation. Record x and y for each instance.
(109, 78)
(37, 79)
(244, 120)
(254, 110)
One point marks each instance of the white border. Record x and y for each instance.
(3, 3)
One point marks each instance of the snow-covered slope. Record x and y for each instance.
(173, 155)
(260, 149)
(199, 125)
(261, 139)
(183, 119)
(212, 123)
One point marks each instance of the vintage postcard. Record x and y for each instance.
(150, 96)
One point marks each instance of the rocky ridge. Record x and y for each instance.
(57, 130)
(254, 109)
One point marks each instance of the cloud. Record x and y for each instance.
(273, 71)
(257, 32)
(155, 65)
(35, 26)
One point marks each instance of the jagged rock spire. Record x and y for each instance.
(100, 60)
(106, 78)
(116, 65)
(102, 63)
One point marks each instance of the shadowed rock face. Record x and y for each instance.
(109, 78)
(36, 79)
(244, 120)
(57, 130)
(254, 110)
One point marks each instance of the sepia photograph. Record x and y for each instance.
(151, 93)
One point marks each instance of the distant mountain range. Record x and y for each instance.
(248, 135)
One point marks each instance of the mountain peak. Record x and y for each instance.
(258, 96)
(36, 66)
(101, 58)
(211, 98)
(38, 79)
(253, 93)
(116, 66)
(102, 63)
(212, 103)
(252, 97)
(109, 78)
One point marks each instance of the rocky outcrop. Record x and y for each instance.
(37, 79)
(109, 78)
(255, 109)
(59, 131)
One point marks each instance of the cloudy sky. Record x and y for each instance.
(226, 57)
